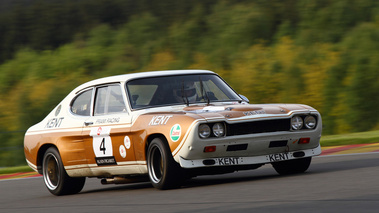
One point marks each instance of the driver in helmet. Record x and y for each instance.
(186, 93)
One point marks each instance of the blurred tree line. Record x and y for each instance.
(324, 53)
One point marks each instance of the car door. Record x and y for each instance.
(71, 144)
(107, 133)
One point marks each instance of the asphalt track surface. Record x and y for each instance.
(334, 183)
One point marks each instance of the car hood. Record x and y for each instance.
(246, 111)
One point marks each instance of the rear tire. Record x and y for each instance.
(292, 166)
(55, 177)
(164, 172)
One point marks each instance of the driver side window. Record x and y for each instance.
(109, 100)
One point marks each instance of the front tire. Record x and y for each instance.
(55, 177)
(292, 166)
(164, 172)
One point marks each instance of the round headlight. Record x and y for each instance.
(310, 122)
(218, 130)
(296, 123)
(204, 131)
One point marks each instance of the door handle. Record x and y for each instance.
(87, 123)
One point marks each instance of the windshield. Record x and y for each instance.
(181, 89)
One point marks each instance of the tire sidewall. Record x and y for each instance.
(54, 153)
(66, 185)
(170, 175)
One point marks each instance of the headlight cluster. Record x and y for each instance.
(212, 130)
(303, 122)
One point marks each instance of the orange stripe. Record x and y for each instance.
(349, 149)
(7, 176)
(19, 175)
(329, 151)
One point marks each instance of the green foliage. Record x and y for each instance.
(362, 59)
(232, 28)
(330, 20)
(320, 53)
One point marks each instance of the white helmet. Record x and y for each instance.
(187, 91)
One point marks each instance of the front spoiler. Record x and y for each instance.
(235, 161)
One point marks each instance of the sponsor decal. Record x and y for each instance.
(278, 157)
(100, 131)
(175, 132)
(108, 120)
(122, 151)
(257, 112)
(227, 161)
(54, 123)
(58, 110)
(102, 142)
(160, 120)
(104, 161)
(127, 142)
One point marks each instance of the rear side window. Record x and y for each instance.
(81, 105)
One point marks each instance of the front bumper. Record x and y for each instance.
(235, 161)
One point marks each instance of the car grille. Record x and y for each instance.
(259, 127)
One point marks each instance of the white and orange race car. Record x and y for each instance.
(166, 127)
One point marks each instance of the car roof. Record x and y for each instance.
(127, 77)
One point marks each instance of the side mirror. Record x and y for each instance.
(244, 98)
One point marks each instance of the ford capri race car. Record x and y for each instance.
(166, 127)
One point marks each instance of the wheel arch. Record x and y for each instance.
(41, 153)
(151, 137)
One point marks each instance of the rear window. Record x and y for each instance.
(81, 105)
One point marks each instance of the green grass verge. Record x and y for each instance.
(351, 138)
(9, 170)
(328, 140)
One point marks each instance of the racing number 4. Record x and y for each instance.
(102, 146)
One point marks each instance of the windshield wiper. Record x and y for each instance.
(203, 91)
(184, 95)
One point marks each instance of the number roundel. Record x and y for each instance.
(102, 142)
